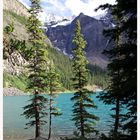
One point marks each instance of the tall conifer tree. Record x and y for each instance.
(114, 90)
(53, 83)
(127, 13)
(36, 110)
(83, 119)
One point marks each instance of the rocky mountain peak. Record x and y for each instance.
(92, 30)
(81, 14)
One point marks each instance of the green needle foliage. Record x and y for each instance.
(53, 82)
(123, 69)
(83, 119)
(36, 110)
(114, 90)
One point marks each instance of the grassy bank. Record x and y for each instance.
(20, 82)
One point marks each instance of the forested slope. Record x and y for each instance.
(63, 63)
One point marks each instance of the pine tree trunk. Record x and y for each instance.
(37, 125)
(50, 121)
(82, 123)
(82, 128)
(37, 120)
(116, 126)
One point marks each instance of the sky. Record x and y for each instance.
(69, 8)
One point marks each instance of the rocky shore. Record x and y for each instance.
(12, 91)
(62, 137)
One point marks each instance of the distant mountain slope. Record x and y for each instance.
(61, 37)
(18, 21)
(15, 6)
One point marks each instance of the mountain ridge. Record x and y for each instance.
(92, 30)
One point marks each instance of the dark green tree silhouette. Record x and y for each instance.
(126, 11)
(114, 90)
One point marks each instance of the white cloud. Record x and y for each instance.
(67, 8)
(54, 6)
(25, 3)
(87, 7)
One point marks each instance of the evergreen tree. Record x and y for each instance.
(53, 86)
(114, 90)
(127, 61)
(36, 110)
(84, 120)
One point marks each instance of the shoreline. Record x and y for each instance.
(12, 91)
(53, 137)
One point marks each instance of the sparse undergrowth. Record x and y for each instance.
(19, 82)
(19, 18)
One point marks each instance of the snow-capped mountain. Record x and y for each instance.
(92, 30)
(99, 17)
(53, 20)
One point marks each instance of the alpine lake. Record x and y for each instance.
(14, 122)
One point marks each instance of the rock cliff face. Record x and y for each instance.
(15, 6)
(15, 64)
(92, 30)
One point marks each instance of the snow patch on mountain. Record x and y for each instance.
(62, 23)
(53, 20)
(51, 17)
(99, 17)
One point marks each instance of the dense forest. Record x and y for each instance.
(48, 71)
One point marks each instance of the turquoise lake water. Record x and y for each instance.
(14, 123)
